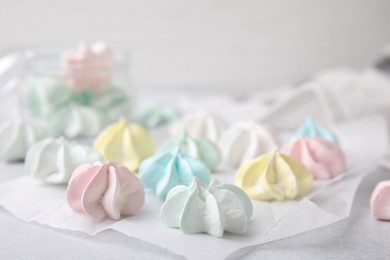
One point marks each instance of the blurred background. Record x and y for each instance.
(209, 45)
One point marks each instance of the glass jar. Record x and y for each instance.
(75, 93)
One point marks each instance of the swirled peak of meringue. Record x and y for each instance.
(210, 209)
(162, 172)
(88, 67)
(323, 159)
(274, 176)
(128, 144)
(199, 124)
(53, 160)
(110, 189)
(16, 137)
(201, 149)
(244, 141)
(311, 129)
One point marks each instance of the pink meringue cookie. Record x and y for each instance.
(110, 189)
(88, 67)
(322, 158)
(380, 201)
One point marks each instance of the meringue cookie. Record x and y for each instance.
(199, 125)
(53, 160)
(128, 144)
(200, 149)
(16, 137)
(112, 103)
(110, 189)
(244, 141)
(154, 115)
(274, 176)
(45, 96)
(76, 121)
(162, 172)
(323, 159)
(88, 67)
(213, 209)
(311, 129)
(380, 201)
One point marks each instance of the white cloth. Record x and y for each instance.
(332, 97)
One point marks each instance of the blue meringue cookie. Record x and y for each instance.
(311, 129)
(201, 149)
(162, 172)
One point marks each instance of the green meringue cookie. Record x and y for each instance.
(154, 115)
(210, 209)
(201, 149)
(75, 114)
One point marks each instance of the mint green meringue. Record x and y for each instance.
(162, 172)
(154, 115)
(75, 113)
(210, 209)
(201, 149)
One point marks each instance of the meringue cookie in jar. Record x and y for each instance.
(77, 92)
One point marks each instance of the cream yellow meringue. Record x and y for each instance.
(128, 144)
(274, 176)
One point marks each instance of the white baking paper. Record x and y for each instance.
(364, 141)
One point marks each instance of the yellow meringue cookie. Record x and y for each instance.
(128, 144)
(274, 176)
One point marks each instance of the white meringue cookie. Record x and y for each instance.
(199, 125)
(213, 209)
(16, 137)
(244, 141)
(54, 160)
(76, 121)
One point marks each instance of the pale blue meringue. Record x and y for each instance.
(201, 149)
(210, 209)
(162, 172)
(311, 129)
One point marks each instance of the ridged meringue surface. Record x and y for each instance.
(16, 137)
(323, 159)
(380, 201)
(311, 129)
(162, 172)
(244, 141)
(53, 160)
(110, 189)
(210, 209)
(199, 125)
(201, 149)
(274, 176)
(76, 121)
(129, 144)
(154, 115)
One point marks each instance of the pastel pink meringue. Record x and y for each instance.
(88, 67)
(322, 158)
(110, 189)
(380, 201)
